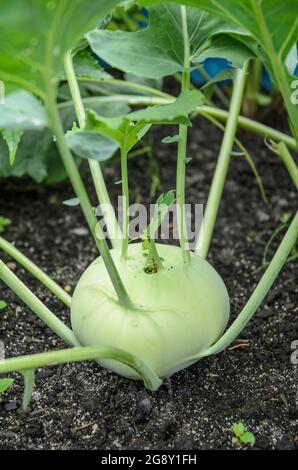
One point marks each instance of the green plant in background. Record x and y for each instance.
(134, 285)
(241, 436)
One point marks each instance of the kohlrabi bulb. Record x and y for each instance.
(184, 309)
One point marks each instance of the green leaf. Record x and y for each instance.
(238, 429)
(173, 113)
(159, 50)
(36, 157)
(12, 139)
(72, 202)
(225, 47)
(130, 128)
(4, 221)
(119, 129)
(271, 28)
(36, 34)
(5, 384)
(3, 305)
(248, 438)
(170, 139)
(22, 110)
(91, 145)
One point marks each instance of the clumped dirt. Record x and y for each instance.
(81, 406)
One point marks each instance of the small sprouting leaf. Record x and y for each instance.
(5, 384)
(3, 305)
(170, 139)
(146, 244)
(118, 182)
(248, 438)
(188, 160)
(4, 221)
(72, 202)
(12, 138)
(162, 206)
(119, 129)
(238, 429)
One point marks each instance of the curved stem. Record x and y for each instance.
(36, 271)
(87, 353)
(260, 291)
(97, 176)
(124, 84)
(222, 165)
(246, 154)
(25, 294)
(80, 191)
(289, 162)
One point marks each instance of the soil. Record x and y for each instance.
(82, 406)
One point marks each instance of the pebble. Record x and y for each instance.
(10, 406)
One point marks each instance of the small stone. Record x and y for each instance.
(144, 406)
(11, 265)
(10, 406)
(265, 313)
(68, 288)
(80, 231)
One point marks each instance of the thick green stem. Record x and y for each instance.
(260, 291)
(182, 147)
(97, 176)
(25, 294)
(80, 191)
(36, 271)
(221, 170)
(16, 364)
(125, 199)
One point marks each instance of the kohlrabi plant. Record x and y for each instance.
(142, 309)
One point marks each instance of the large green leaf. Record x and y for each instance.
(22, 110)
(36, 34)
(129, 129)
(158, 50)
(273, 29)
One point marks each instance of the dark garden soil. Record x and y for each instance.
(81, 406)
